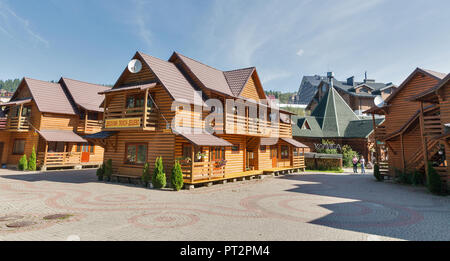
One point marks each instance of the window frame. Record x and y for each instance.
(261, 148)
(283, 150)
(234, 150)
(14, 146)
(137, 144)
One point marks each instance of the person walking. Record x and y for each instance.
(355, 164)
(363, 165)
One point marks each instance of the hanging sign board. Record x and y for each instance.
(123, 123)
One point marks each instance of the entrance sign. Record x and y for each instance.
(123, 123)
(328, 147)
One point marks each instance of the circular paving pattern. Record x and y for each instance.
(164, 219)
(10, 218)
(120, 198)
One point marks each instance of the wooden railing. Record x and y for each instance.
(298, 162)
(148, 117)
(416, 161)
(3, 123)
(18, 124)
(380, 133)
(256, 127)
(58, 159)
(202, 171)
(433, 125)
(90, 126)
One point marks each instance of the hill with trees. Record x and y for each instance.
(10, 85)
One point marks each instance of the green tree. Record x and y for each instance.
(32, 160)
(23, 163)
(347, 155)
(177, 177)
(434, 182)
(146, 176)
(377, 173)
(159, 177)
(108, 170)
(101, 172)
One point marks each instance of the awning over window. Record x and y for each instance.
(294, 143)
(61, 136)
(17, 102)
(206, 140)
(274, 141)
(136, 87)
(101, 135)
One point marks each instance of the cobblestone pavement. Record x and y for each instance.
(310, 206)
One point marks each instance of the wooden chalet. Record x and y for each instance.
(413, 129)
(138, 115)
(52, 118)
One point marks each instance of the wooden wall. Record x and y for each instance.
(235, 160)
(31, 140)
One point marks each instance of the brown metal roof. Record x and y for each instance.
(85, 94)
(61, 136)
(237, 79)
(210, 77)
(205, 139)
(173, 80)
(141, 87)
(49, 97)
(294, 143)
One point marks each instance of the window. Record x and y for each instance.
(138, 101)
(263, 148)
(81, 147)
(285, 152)
(235, 149)
(136, 154)
(93, 116)
(217, 153)
(26, 111)
(19, 147)
(388, 91)
(55, 147)
(296, 152)
(187, 152)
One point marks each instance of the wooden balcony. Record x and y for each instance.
(89, 126)
(135, 118)
(20, 124)
(237, 124)
(202, 171)
(3, 123)
(58, 159)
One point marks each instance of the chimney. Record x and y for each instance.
(351, 81)
(330, 76)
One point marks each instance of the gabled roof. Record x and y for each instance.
(49, 97)
(85, 95)
(428, 94)
(237, 79)
(211, 78)
(308, 88)
(173, 80)
(437, 75)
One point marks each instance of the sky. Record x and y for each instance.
(93, 40)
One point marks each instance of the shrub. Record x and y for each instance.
(177, 177)
(159, 177)
(326, 150)
(146, 176)
(32, 161)
(108, 170)
(347, 155)
(434, 182)
(377, 173)
(23, 163)
(101, 172)
(403, 177)
(418, 178)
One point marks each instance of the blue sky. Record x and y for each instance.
(93, 40)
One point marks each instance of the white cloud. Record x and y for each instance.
(14, 26)
(140, 20)
(300, 52)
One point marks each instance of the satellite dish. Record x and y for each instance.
(379, 102)
(135, 66)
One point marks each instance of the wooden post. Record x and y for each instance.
(377, 149)
(403, 152)
(424, 139)
(85, 120)
(19, 120)
(192, 162)
(144, 124)
(45, 153)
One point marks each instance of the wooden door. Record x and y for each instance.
(85, 153)
(274, 155)
(217, 154)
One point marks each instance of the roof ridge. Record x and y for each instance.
(102, 86)
(198, 61)
(235, 70)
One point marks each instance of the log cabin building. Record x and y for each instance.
(52, 118)
(414, 129)
(139, 111)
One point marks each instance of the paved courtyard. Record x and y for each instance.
(308, 206)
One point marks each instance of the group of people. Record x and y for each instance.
(355, 162)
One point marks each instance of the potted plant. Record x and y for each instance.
(201, 156)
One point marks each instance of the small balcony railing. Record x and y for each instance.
(90, 126)
(256, 127)
(58, 159)
(202, 171)
(133, 118)
(18, 124)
